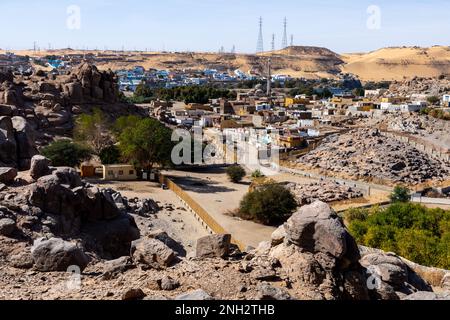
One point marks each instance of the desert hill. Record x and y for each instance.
(397, 63)
(297, 61)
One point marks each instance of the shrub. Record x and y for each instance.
(66, 153)
(270, 204)
(400, 194)
(235, 173)
(410, 230)
(257, 174)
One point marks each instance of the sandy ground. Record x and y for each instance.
(180, 223)
(212, 190)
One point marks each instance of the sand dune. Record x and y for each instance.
(399, 63)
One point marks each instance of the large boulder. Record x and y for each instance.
(168, 241)
(388, 267)
(152, 253)
(111, 238)
(268, 292)
(39, 167)
(7, 227)
(8, 145)
(25, 139)
(214, 246)
(7, 175)
(57, 255)
(317, 228)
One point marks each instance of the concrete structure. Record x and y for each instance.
(119, 172)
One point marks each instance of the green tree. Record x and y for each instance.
(413, 231)
(125, 122)
(400, 194)
(270, 204)
(146, 144)
(235, 173)
(93, 130)
(110, 155)
(65, 153)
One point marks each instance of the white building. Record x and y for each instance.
(446, 100)
(407, 107)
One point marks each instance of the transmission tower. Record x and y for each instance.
(233, 49)
(260, 45)
(273, 42)
(284, 44)
(292, 40)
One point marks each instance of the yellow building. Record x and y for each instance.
(119, 172)
(291, 101)
(290, 141)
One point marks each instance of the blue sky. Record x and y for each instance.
(206, 25)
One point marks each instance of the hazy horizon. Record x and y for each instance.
(205, 26)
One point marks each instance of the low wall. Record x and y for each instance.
(419, 199)
(201, 214)
(363, 186)
(435, 152)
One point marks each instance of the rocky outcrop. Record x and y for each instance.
(61, 205)
(17, 145)
(317, 228)
(88, 84)
(49, 104)
(367, 155)
(315, 254)
(325, 191)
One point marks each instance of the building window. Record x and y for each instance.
(131, 172)
(110, 173)
(120, 172)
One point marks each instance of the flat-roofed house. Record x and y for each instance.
(119, 172)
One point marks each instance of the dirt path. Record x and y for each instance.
(212, 190)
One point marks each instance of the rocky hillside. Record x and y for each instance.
(35, 109)
(55, 222)
(363, 154)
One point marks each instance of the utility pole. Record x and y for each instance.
(260, 44)
(269, 78)
(285, 41)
